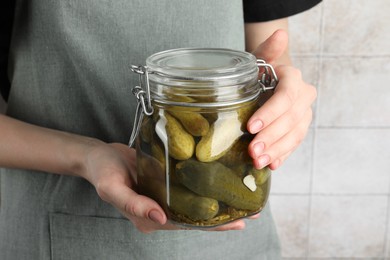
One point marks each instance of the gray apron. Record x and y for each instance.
(70, 71)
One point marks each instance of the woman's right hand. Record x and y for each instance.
(111, 168)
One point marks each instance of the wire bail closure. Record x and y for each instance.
(142, 93)
(267, 81)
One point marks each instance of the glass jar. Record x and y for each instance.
(192, 146)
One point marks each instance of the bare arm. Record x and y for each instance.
(257, 33)
(27, 146)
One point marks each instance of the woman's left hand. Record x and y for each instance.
(282, 122)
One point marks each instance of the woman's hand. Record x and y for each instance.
(111, 168)
(282, 122)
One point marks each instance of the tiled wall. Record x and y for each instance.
(331, 198)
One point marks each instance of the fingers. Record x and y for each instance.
(282, 122)
(256, 216)
(284, 97)
(235, 225)
(277, 152)
(129, 202)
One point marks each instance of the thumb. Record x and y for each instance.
(132, 204)
(144, 207)
(274, 47)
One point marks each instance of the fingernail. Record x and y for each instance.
(156, 216)
(255, 126)
(263, 161)
(258, 149)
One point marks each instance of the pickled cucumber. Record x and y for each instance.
(245, 112)
(150, 167)
(222, 135)
(214, 180)
(261, 176)
(193, 206)
(238, 153)
(211, 116)
(178, 94)
(147, 130)
(153, 188)
(158, 153)
(181, 144)
(239, 169)
(193, 122)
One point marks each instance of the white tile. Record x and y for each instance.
(305, 36)
(347, 226)
(356, 27)
(291, 218)
(352, 161)
(308, 66)
(294, 175)
(354, 92)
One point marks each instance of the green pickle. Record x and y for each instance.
(195, 207)
(217, 181)
(193, 122)
(180, 143)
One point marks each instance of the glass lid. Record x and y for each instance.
(202, 63)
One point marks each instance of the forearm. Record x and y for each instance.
(27, 146)
(257, 33)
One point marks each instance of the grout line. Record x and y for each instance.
(329, 194)
(386, 237)
(341, 55)
(336, 258)
(354, 127)
(314, 139)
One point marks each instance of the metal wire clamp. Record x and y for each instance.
(268, 80)
(144, 106)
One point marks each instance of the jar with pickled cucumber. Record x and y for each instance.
(191, 137)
